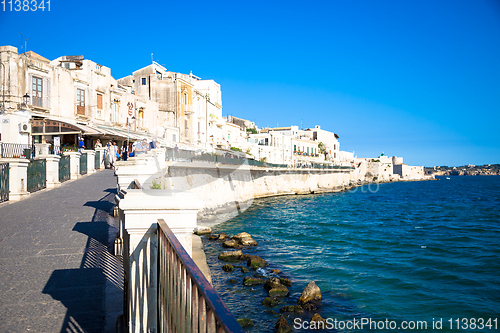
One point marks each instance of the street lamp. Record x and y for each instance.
(26, 99)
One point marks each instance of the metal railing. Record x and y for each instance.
(64, 168)
(4, 182)
(37, 175)
(14, 150)
(97, 160)
(186, 300)
(83, 164)
(191, 156)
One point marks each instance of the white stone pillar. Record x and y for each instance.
(101, 151)
(143, 168)
(141, 210)
(52, 169)
(18, 177)
(74, 164)
(161, 153)
(41, 149)
(90, 160)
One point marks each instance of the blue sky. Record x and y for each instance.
(418, 79)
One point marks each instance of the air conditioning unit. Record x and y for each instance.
(24, 127)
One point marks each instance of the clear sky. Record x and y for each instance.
(418, 79)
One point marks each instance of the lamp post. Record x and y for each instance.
(24, 105)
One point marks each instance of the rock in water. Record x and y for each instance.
(286, 282)
(248, 241)
(230, 255)
(242, 235)
(317, 322)
(311, 292)
(309, 307)
(245, 322)
(228, 268)
(256, 262)
(231, 243)
(251, 281)
(292, 308)
(282, 326)
(270, 301)
(202, 230)
(213, 237)
(280, 291)
(272, 283)
(317, 317)
(245, 239)
(223, 236)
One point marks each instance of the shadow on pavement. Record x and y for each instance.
(83, 291)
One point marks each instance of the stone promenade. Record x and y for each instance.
(57, 273)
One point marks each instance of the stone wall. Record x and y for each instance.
(229, 188)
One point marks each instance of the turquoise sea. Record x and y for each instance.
(404, 252)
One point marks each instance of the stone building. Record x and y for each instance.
(67, 98)
(186, 104)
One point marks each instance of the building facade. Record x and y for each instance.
(65, 99)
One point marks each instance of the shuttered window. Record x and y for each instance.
(99, 101)
(37, 91)
(80, 101)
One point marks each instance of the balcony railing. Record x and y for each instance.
(40, 102)
(187, 302)
(14, 150)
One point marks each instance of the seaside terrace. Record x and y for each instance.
(164, 288)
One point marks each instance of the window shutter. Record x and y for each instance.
(99, 101)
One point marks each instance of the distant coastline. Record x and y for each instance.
(466, 170)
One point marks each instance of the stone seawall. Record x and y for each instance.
(229, 189)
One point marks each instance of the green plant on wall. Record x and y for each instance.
(156, 185)
(252, 130)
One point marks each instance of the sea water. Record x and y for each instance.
(396, 255)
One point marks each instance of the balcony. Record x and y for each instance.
(41, 104)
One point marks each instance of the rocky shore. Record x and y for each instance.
(256, 272)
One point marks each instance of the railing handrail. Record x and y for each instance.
(224, 317)
(191, 156)
(15, 150)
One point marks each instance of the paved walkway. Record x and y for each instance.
(56, 270)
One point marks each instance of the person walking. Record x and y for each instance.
(142, 147)
(124, 151)
(112, 152)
